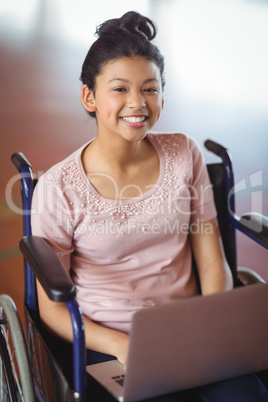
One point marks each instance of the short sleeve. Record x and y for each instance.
(51, 217)
(202, 197)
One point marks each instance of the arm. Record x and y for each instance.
(214, 272)
(54, 220)
(56, 318)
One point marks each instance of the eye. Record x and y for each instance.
(150, 90)
(120, 89)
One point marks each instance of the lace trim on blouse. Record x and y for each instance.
(134, 206)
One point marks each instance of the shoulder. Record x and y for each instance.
(67, 167)
(175, 140)
(63, 184)
(179, 148)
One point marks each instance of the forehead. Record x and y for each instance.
(130, 68)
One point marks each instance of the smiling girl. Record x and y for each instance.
(119, 211)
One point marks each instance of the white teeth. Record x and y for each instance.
(134, 119)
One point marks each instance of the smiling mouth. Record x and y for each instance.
(132, 119)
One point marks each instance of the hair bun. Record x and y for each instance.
(131, 22)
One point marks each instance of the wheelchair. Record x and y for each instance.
(35, 365)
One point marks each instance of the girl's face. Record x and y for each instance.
(128, 98)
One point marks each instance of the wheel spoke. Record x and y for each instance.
(15, 375)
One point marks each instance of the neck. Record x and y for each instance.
(119, 153)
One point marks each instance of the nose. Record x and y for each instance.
(136, 100)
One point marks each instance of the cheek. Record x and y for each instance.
(111, 105)
(157, 106)
(156, 103)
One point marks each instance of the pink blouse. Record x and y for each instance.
(124, 255)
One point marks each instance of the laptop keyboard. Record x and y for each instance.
(119, 379)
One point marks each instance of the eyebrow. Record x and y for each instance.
(125, 80)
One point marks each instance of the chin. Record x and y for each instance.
(135, 137)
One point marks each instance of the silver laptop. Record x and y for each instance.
(189, 343)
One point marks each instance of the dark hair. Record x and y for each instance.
(128, 36)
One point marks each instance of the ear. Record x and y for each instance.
(88, 99)
(163, 103)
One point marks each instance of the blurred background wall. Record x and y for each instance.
(217, 87)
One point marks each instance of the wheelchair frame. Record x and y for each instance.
(40, 261)
(64, 294)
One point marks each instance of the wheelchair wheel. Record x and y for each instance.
(16, 382)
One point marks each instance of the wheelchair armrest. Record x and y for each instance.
(47, 268)
(58, 286)
(255, 225)
(249, 277)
